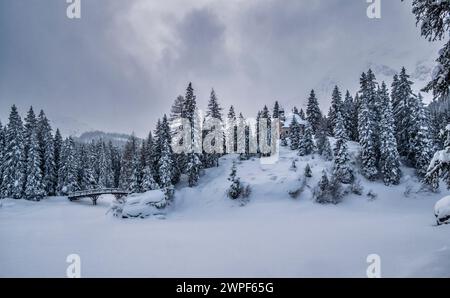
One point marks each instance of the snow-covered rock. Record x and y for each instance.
(140, 205)
(442, 211)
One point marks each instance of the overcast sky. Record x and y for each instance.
(121, 65)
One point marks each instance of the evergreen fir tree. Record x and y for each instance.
(294, 134)
(306, 145)
(193, 169)
(13, 160)
(34, 187)
(342, 169)
(327, 152)
(235, 188)
(2, 151)
(389, 157)
(46, 151)
(57, 141)
(214, 109)
(367, 128)
(350, 117)
(276, 111)
(308, 171)
(67, 181)
(214, 112)
(336, 106)
(30, 130)
(302, 114)
(313, 113)
(422, 147)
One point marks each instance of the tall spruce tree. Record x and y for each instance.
(367, 127)
(58, 142)
(389, 157)
(13, 161)
(350, 117)
(2, 152)
(34, 186)
(294, 133)
(47, 153)
(68, 171)
(336, 106)
(276, 110)
(306, 145)
(313, 113)
(342, 169)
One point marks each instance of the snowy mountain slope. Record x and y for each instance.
(207, 234)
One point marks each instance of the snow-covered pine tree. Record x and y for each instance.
(176, 109)
(214, 112)
(389, 157)
(434, 19)
(294, 133)
(13, 160)
(306, 144)
(313, 113)
(148, 181)
(189, 107)
(68, 170)
(302, 114)
(127, 161)
(242, 137)
(47, 153)
(106, 175)
(193, 169)
(321, 135)
(58, 142)
(34, 186)
(422, 147)
(235, 189)
(327, 152)
(350, 119)
(230, 133)
(165, 166)
(308, 171)
(367, 127)
(276, 110)
(295, 111)
(439, 166)
(336, 106)
(342, 169)
(404, 107)
(135, 178)
(30, 131)
(321, 191)
(86, 166)
(2, 151)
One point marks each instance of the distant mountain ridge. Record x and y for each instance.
(118, 139)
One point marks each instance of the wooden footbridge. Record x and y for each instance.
(94, 194)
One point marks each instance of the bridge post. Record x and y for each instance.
(94, 199)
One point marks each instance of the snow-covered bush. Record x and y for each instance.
(442, 211)
(372, 195)
(328, 191)
(294, 193)
(356, 187)
(140, 205)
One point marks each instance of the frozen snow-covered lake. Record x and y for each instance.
(206, 234)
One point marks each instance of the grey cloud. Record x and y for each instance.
(121, 66)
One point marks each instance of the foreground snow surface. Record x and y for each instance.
(207, 235)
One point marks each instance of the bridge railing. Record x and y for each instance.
(89, 192)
